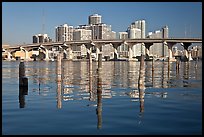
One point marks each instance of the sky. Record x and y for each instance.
(22, 20)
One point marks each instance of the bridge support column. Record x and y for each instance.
(115, 46)
(170, 53)
(189, 56)
(115, 54)
(98, 51)
(186, 45)
(46, 54)
(70, 54)
(26, 57)
(88, 53)
(130, 51)
(147, 47)
(8, 55)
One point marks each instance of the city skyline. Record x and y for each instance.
(22, 20)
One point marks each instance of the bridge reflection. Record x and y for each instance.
(78, 80)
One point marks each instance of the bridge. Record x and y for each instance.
(68, 46)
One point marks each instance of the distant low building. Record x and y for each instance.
(41, 38)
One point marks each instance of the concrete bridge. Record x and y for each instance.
(68, 47)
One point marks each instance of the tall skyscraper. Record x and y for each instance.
(137, 30)
(64, 33)
(94, 19)
(102, 31)
(139, 24)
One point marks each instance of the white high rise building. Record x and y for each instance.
(64, 33)
(102, 31)
(137, 30)
(140, 24)
(82, 34)
(123, 49)
(159, 49)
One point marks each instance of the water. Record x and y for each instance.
(172, 101)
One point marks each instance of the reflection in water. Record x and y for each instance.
(148, 74)
(77, 80)
(91, 91)
(196, 70)
(59, 81)
(59, 95)
(141, 86)
(185, 74)
(22, 92)
(99, 100)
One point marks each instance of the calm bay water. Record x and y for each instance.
(172, 101)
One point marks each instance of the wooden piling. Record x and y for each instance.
(23, 80)
(177, 64)
(141, 86)
(99, 101)
(90, 79)
(59, 79)
(59, 68)
(142, 70)
(168, 67)
(21, 69)
(23, 85)
(152, 64)
(59, 95)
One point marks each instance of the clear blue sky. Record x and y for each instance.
(22, 20)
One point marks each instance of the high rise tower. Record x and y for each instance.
(94, 19)
(64, 33)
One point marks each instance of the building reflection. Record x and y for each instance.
(185, 74)
(133, 69)
(148, 74)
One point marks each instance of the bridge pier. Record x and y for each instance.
(115, 46)
(26, 57)
(186, 52)
(170, 53)
(46, 52)
(70, 55)
(98, 50)
(189, 56)
(8, 55)
(130, 51)
(147, 48)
